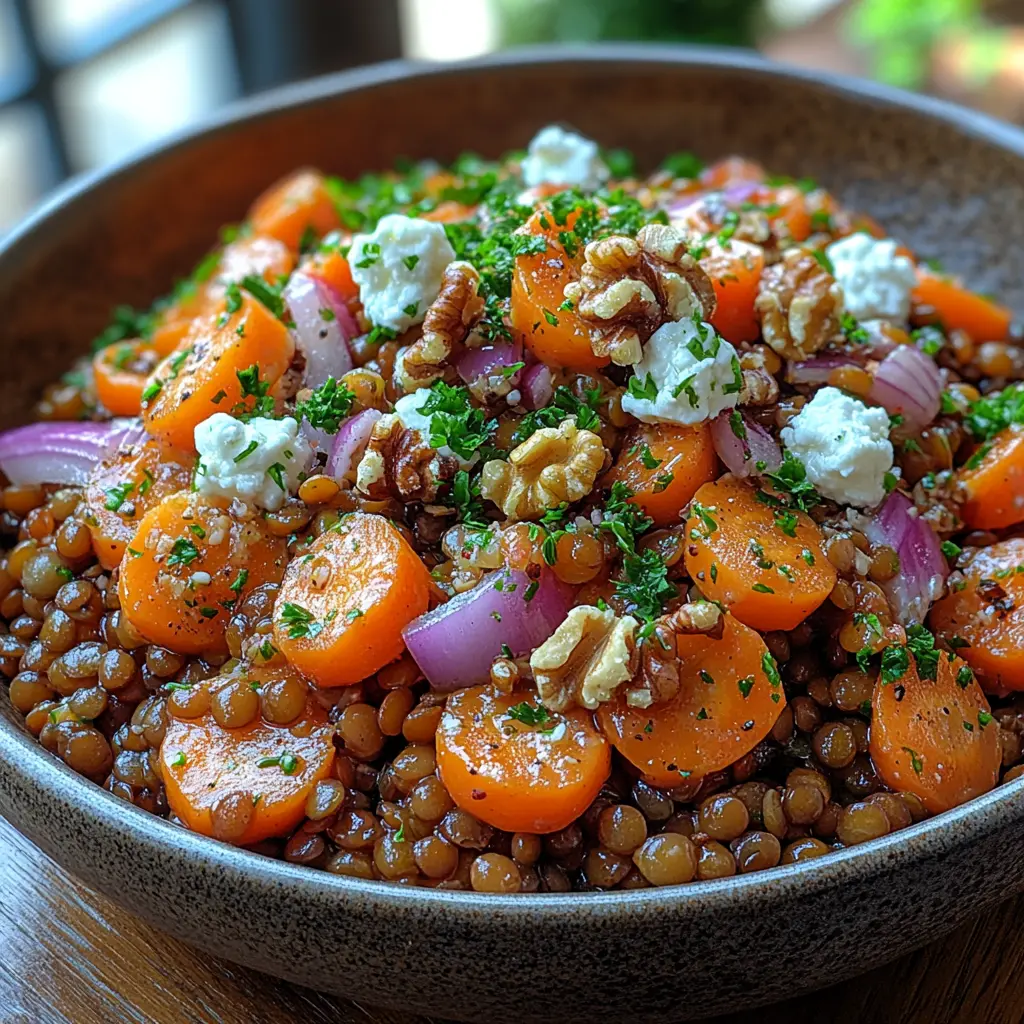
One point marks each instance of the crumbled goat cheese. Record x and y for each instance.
(260, 462)
(558, 157)
(398, 268)
(407, 409)
(844, 446)
(876, 281)
(697, 375)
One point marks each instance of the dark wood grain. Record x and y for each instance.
(70, 956)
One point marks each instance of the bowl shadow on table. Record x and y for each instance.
(948, 182)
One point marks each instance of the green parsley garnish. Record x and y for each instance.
(327, 406)
(529, 714)
(183, 552)
(299, 622)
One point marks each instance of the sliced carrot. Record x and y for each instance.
(202, 377)
(663, 465)
(119, 374)
(342, 607)
(935, 738)
(558, 337)
(516, 765)
(269, 769)
(729, 698)
(333, 269)
(946, 301)
(123, 487)
(735, 271)
(187, 566)
(993, 482)
(249, 255)
(293, 206)
(986, 609)
(731, 171)
(766, 565)
(176, 320)
(449, 212)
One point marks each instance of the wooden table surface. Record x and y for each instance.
(69, 956)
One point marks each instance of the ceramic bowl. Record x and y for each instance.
(948, 181)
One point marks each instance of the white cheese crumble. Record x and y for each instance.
(695, 374)
(844, 446)
(260, 462)
(408, 410)
(558, 157)
(875, 279)
(398, 268)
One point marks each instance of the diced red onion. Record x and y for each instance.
(488, 360)
(350, 443)
(455, 643)
(817, 370)
(538, 387)
(59, 453)
(922, 572)
(323, 342)
(742, 454)
(908, 383)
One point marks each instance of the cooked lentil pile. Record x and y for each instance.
(532, 525)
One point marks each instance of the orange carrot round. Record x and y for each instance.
(342, 606)
(765, 564)
(293, 206)
(271, 768)
(516, 765)
(333, 269)
(120, 373)
(735, 271)
(202, 376)
(558, 337)
(663, 465)
(992, 482)
(729, 698)
(945, 300)
(986, 610)
(123, 487)
(935, 738)
(188, 564)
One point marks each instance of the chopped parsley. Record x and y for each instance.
(183, 552)
(327, 406)
(646, 390)
(117, 496)
(992, 413)
(456, 422)
(299, 622)
(529, 714)
(791, 479)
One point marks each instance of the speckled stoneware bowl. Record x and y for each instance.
(949, 182)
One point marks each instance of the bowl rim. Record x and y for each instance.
(932, 838)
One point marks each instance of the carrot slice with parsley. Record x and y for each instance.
(120, 373)
(515, 764)
(992, 482)
(735, 271)
(270, 770)
(944, 300)
(761, 560)
(343, 604)
(729, 698)
(982, 616)
(293, 207)
(556, 336)
(123, 487)
(663, 465)
(231, 359)
(188, 564)
(932, 731)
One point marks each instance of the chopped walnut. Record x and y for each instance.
(799, 305)
(759, 388)
(586, 659)
(630, 287)
(447, 324)
(658, 677)
(553, 465)
(398, 463)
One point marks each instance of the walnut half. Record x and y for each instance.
(629, 287)
(553, 465)
(586, 659)
(799, 304)
(399, 463)
(447, 323)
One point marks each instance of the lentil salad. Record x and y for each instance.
(531, 526)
